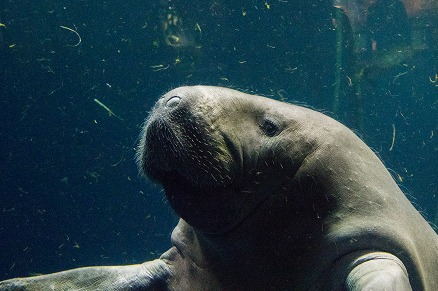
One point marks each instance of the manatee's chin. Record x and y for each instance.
(206, 202)
(215, 209)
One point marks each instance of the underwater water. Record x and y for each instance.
(77, 79)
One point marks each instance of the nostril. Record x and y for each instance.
(173, 102)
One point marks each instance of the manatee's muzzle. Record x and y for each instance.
(183, 150)
(178, 139)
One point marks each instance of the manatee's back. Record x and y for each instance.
(377, 213)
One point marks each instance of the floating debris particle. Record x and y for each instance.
(110, 112)
(197, 27)
(393, 137)
(156, 68)
(75, 32)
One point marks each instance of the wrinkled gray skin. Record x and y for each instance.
(272, 196)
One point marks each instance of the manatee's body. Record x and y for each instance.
(271, 196)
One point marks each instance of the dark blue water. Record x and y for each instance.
(70, 191)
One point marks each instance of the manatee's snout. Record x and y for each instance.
(180, 140)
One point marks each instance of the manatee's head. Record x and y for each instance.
(220, 153)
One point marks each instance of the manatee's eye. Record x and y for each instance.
(270, 127)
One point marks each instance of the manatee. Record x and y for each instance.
(271, 196)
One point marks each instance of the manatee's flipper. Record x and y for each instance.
(377, 271)
(147, 276)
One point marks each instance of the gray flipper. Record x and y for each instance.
(147, 276)
(377, 271)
